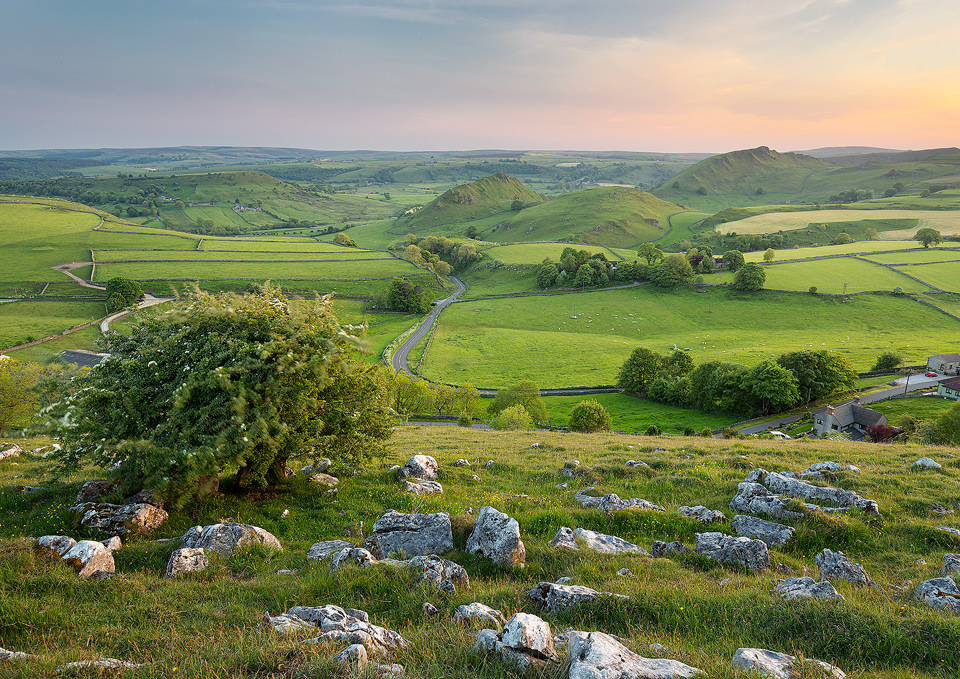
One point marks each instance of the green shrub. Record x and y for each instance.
(589, 416)
(652, 430)
(514, 417)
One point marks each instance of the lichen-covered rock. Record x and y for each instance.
(54, 545)
(611, 502)
(421, 467)
(794, 488)
(702, 514)
(752, 554)
(927, 463)
(606, 544)
(553, 597)
(120, 519)
(774, 534)
(422, 487)
(186, 560)
(816, 469)
(352, 556)
(595, 655)
(434, 569)
(429, 609)
(113, 543)
(353, 656)
(951, 564)
(777, 665)
(564, 539)
(323, 549)
(529, 634)
(477, 612)
(497, 537)
(806, 588)
(93, 490)
(948, 529)
(939, 593)
(660, 548)
(223, 538)
(755, 498)
(835, 566)
(410, 534)
(285, 623)
(88, 556)
(324, 479)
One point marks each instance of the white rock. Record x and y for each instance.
(928, 463)
(57, 545)
(702, 514)
(421, 467)
(606, 544)
(940, 593)
(737, 551)
(113, 544)
(422, 487)
(15, 655)
(497, 537)
(88, 556)
(776, 665)
(477, 612)
(595, 655)
(835, 566)
(806, 588)
(103, 664)
(530, 634)
(223, 538)
(323, 549)
(947, 529)
(186, 560)
(951, 564)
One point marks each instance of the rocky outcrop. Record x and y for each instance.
(611, 502)
(421, 467)
(815, 470)
(497, 537)
(751, 554)
(554, 596)
(835, 566)
(9, 450)
(111, 519)
(410, 534)
(54, 545)
(702, 514)
(598, 542)
(777, 665)
(186, 560)
(318, 467)
(324, 479)
(325, 548)
(435, 570)
(343, 625)
(595, 655)
(951, 564)
(477, 612)
(15, 655)
(939, 593)
(525, 640)
(422, 487)
(224, 538)
(773, 534)
(93, 490)
(805, 588)
(351, 556)
(87, 557)
(755, 498)
(660, 548)
(794, 488)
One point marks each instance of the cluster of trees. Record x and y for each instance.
(442, 255)
(223, 383)
(769, 386)
(851, 196)
(122, 293)
(409, 396)
(403, 295)
(577, 269)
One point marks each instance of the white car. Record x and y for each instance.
(779, 435)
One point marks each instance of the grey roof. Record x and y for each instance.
(950, 358)
(952, 383)
(82, 357)
(850, 413)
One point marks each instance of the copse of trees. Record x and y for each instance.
(749, 277)
(402, 295)
(410, 396)
(440, 254)
(525, 394)
(223, 383)
(122, 293)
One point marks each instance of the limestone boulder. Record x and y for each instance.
(324, 479)
(461, 463)
(186, 560)
(739, 551)
(659, 548)
(224, 538)
(88, 556)
(794, 488)
(553, 597)
(477, 612)
(318, 467)
(951, 564)
(352, 556)
(940, 593)
(9, 451)
(410, 534)
(113, 519)
(611, 502)
(805, 588)
(755, 498)
(606, 544)
(595, 655)
(529, 634)
(325, 548)
(422, 487)
(773, 534)
(926, 463)
(565, 539)
(777, 665)
(497, 537)
(93, 490)
(54, 545)
(835, 566)
(15, 655)
(702, 514)
(421, 467)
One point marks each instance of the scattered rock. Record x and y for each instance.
(562, 486)
(612, 502)
(113, 543)
(15, 655)
(354, 556)
(660, 548)
(815, 469)
(488, 464)
(835, 566)
(186, 560)
(947, 529)
(755, 498)
(659, 648)
(776, 665)
(475, 477)
(101, 664)
(702, 514)
(564, 580)
(940, 593)
(410, 534)
(553, 596)
(938, 508)
(920, 562)
(344, 625)
(461, 463)
(429, 609)
(354, 655)
(54, 545)
(626, 573)
(773, 534)
(805, 588)
(324, 479)
(793, 488)
(497, 537)
(926, 463)
(598, 542)
(421, 467)
(477, 612)
(112, 519)
(422, 487)
(442, 573)
(636, 463)
(951, 564)
(223, 538)
(144, 496)
(93, 490)
(88, 556)
(529, 634)
(740, 551)
(852, 468)
(323, 549)
(318, 467)
(595, 655)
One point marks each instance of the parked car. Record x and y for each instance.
(931, 375)
(779, 435)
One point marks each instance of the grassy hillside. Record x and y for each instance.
(208, 624)
(482, 198)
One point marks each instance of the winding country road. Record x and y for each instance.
(399, 361)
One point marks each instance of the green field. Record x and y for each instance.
(924, 408)
(771, 222)
(831, 275)
(945, 275)
(948, 302)
(632, 414)
(200, 270)
(921, 256)
(22, 322)
(251, 245)
(582, 340)
(243, 256)
(856, 248)
(46, 352)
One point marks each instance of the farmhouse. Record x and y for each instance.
(947, 364)
(949, 388)
(848, 418)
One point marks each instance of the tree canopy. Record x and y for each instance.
(733, 259)
(224, 383)
(589, 416)
(122, 293)
(927, 237)
(750, 277)
(819, 373)
(526, 394)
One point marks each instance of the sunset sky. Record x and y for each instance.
(636, 75)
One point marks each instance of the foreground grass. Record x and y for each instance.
(207, 625)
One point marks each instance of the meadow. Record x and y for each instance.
(207, 624)
(116, 255)
(583, 339)
(22, 321)
(947, 222)
(838, 275)
(378, 268)
(856, 248)
(632, 414)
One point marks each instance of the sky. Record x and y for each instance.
(630, 75)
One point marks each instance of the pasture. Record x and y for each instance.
(838, 275)
(859, 247)
(24, 321)
(633, 414)
(947, 222)
(278, 245)
(944, 275)
(116, 255)
(379, 268)
(583, 339)
(921, 256)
